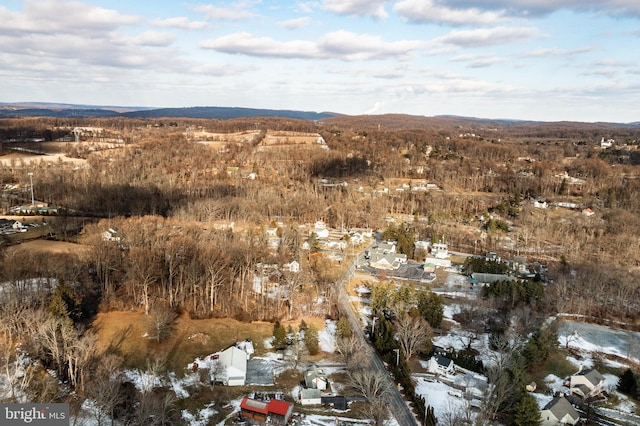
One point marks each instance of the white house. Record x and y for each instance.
(439, 364)
(314, 378)
(321, 233)
(540, 204)
(559, 412)
(586, 383)
(388, 261)
(232, 364)
(110, 235)
(293, 266)
(310, 397)
(607, 143)
(440, 250)
(492, 256)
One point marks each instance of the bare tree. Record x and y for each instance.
(105, 389)
(413, 333)
(352, 350)
(161, 321)
(373, 385)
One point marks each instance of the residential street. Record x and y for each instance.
(396, 403)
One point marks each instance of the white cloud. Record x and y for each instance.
(478, 61)
(295, 23)
(252, 45)
(154, 38)
(372, 8)
(543, 7)
(236, 11)
(180, 22)
(555, 51)
(486, 37)
(70, 17)
(605, 72)
(341, 44)
(428, 11)
(616, 63)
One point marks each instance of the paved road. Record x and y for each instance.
(396, 404)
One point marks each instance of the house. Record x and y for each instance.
(440, 250)
(586, 383)
(293, 266)
(310, 397)
(388, 261)
(424, 245)
(110, 235)
(519, 264)
(314, 378)
(386, 247)
(273, 412)
(439, 364)
(247, 347)
(492, 256)
(233, 366)
(321, 233)
(540, 204)
(607, 143)
(559, 412)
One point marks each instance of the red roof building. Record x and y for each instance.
(278, 412)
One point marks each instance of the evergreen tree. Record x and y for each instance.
(64, 303)
(314, 243)
(311, 340)
(527, 412)
(279, 336)
(431, 307)
(431, 417)
(628, 383)
(383, 339)
(343, 329)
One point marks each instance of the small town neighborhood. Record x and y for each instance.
(373, 270)
(322, 397)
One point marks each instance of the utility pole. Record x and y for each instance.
(33, 202)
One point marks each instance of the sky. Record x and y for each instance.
(548, 60)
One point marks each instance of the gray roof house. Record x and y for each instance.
(586, 383)
(559, 412)
(314, 378)
(439, 364)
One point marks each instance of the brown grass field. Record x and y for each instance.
(49, 246)
(123, 333)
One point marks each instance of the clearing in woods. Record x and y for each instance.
(124, 333)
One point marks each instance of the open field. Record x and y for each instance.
(49, 246)
(123, 333)
(238, 137)
(287, 139)
(16, 158)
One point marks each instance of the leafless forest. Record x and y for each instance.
(172, 199)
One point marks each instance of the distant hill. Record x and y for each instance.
(43, 109)
(224, 113)
(58, 113)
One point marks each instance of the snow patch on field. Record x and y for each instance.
(439, 396)
(327, 337)
(200, 418)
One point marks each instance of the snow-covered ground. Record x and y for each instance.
(593, 338)
(327, 337)
(441, 397)
(589, 342)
